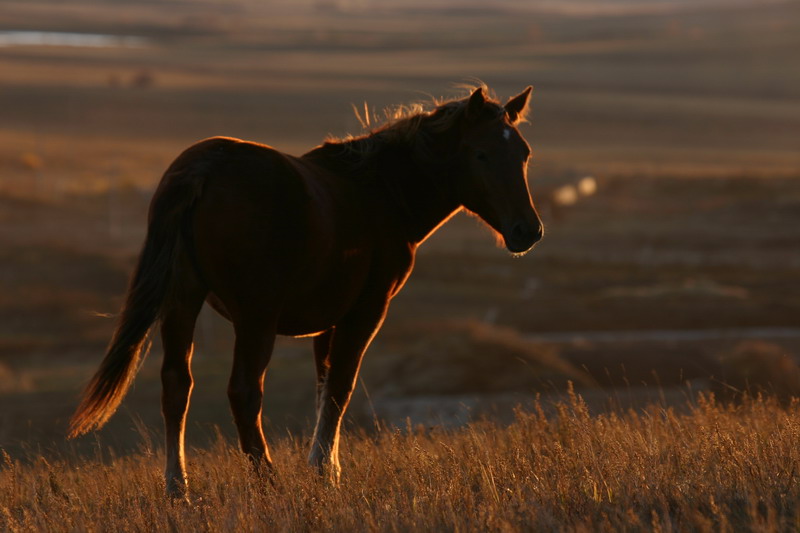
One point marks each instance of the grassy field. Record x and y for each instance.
(556, 468)
(685, 114)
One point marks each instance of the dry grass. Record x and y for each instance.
(713, 468)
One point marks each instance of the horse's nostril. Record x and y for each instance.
(523, 232)
(519, 231)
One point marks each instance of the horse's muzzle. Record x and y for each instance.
(522, 236)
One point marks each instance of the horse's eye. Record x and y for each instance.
(481, 156)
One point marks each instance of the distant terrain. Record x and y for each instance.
(685, 114)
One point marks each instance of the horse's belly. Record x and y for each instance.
(308, 317)
(294, 321)
(321, 307)
(304, 326)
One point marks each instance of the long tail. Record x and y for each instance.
(149, 291)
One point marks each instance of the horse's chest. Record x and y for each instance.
(345, 278)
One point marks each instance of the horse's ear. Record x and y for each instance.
(476, 102)
(517, 107)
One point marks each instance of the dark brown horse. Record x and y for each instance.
(306, 246)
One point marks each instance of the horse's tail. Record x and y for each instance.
(150, 289)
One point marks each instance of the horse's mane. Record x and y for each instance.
(413, 126)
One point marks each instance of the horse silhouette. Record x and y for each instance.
(316, 246)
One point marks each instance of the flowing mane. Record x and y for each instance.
(416, 128)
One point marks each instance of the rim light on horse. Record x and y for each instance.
(316, 246)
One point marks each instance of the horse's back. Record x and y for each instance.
(268, 227)
(233, 165)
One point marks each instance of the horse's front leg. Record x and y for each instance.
(350, 340)
(322, 348)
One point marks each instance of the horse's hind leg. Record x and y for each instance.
(252, 352)
(177, 330)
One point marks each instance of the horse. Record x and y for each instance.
(312, 246)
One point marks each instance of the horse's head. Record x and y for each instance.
(493, 167)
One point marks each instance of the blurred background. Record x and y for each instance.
(666, 136)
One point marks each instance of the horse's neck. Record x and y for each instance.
(420, 199)
(417, 197)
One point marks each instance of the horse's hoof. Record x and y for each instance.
(331, 473)
(177, 492)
